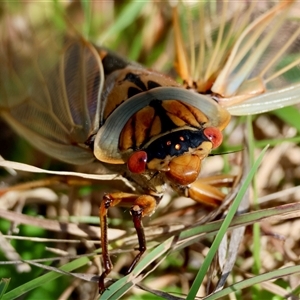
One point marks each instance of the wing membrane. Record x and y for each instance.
(50, 84)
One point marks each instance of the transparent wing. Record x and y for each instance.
(246, 54)
(50, 84)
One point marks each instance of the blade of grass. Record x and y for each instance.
(190, 236)
(290, 115)
(127, 17)
(87, 8)
(3, 286)
(295, 291)
(28, 286)
(277, 141)
(256, 227)
(254, 280)
(206, 263)
(123, 285)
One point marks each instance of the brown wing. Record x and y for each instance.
(50, 85)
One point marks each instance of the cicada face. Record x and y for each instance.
(177, 151)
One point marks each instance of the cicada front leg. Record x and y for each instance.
(141, 205)
(207, 190)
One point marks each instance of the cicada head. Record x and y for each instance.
(166, 130)
(177, 154)
(164, 123)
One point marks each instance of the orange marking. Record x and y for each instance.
(179, 110)
(156, 127)
(126, 135)
(143, 121)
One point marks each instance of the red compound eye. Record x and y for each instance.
(214, 135)
(137, 162)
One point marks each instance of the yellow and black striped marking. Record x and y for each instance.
(157, 119)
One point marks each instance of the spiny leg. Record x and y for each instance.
(141, 206)
(206, 190)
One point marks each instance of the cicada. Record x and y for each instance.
(83, 104)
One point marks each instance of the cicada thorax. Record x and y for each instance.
(126, 83)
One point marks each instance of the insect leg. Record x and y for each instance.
(206, 190)
(141, 206)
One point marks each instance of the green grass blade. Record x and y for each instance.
(123, 285)
(254, 280)
(86, 5)
(290, 115)
(206, 263)
(17, 292)
(3, 286)
(127, 17)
